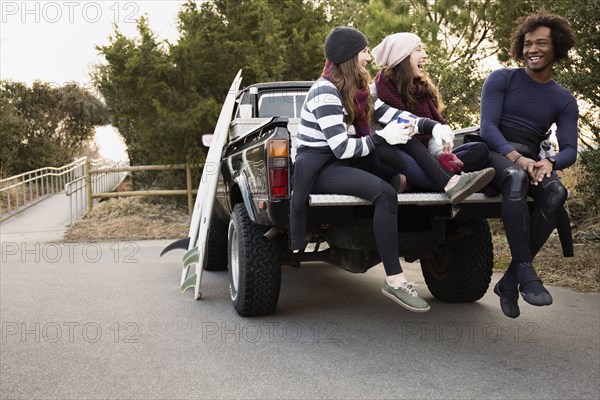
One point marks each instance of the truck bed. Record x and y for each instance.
(242, 127)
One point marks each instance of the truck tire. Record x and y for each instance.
(254, 266)
(216, 246)
(462, 270)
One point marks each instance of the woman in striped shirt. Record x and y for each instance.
(333, 145)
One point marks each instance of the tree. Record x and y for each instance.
(581, 72)
(342, 12)
(270, 40)
(137, 84)
(163, 96)
(44, 125)
(12, 133)
(455, 34)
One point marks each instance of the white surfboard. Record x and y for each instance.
(207, 190)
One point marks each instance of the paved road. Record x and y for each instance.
(107, 320)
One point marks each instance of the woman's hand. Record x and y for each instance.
(443, 135)
(395, 133)
(451, 162)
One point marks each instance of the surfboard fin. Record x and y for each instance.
(189, 283)
(191, 257)
(182, 244)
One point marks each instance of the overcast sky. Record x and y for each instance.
(54, 41)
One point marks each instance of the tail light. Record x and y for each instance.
(278, 164)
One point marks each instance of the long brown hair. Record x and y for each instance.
(350, 77)
(403, 77)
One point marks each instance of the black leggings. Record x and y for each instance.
(525, 233)
(346, 178)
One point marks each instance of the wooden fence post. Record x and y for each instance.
(188, 179)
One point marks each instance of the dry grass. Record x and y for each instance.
(131, 219)
(580, 272)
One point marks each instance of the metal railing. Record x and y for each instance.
(95, 179)
(21, 191)
(85, 183)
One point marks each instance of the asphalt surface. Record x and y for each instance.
(107, 320)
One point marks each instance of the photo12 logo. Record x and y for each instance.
(70, 332)
(90, 253)
(69, 11)
(269, 332)
(469, 332)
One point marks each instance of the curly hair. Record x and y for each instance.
(563, 37)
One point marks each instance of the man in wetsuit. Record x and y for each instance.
(518, 107)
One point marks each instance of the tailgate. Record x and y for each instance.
(419, 199)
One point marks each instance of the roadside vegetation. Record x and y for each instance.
(131, 219)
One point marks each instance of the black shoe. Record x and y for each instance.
(508, 301)
(531, 286)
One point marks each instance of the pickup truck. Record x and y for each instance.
(249, 233)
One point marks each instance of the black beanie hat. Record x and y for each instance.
(344, 42)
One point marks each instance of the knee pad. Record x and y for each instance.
(554, 196)
(515, 183)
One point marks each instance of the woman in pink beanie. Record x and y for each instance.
(403, 83)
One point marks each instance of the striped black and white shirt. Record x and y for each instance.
(324, 123)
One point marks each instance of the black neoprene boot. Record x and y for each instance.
(531, 286)
(506, 289)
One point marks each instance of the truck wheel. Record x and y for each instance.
(462, 270)
(254, 267)
(216, 246)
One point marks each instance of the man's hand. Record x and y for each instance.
(541, 169)
(529, 166)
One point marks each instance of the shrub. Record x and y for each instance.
(588, 185)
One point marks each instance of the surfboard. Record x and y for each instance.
(207, 190)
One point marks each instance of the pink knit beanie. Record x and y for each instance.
(395, 48)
